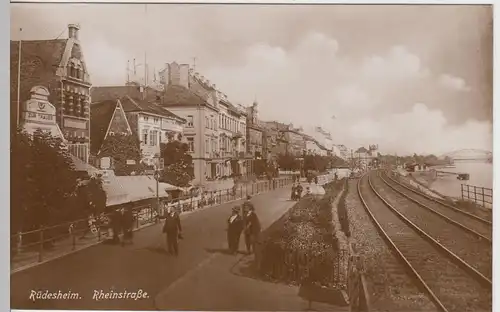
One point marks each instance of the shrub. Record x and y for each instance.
(342, 212)
(302, 244)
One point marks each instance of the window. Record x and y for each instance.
(190, 121)
(146, 118)
(190, 142)
(206, 122)
(153, 140)
(207, 145)
(145, 136)
(156, 120)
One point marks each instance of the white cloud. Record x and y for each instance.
(452, 82)
(419, 130)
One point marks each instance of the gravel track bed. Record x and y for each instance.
(456, 289)
(390, 287)
(473, 250)
(469, 222)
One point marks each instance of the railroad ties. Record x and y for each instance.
(446, 252)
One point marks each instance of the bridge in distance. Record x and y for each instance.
(469, 155)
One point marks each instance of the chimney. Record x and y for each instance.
(73, 31)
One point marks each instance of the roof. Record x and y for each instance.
(361, 150)
(131, 104)
(99, 94)
(80, 165)
(180, 96)
(232, 108)
(39, 62)
(48, 52)
(100, 116)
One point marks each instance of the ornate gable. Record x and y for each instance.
(118, 123)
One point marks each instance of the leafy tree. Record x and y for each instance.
(179, 168)
(42, 180)
(288, 162)
(122, 147)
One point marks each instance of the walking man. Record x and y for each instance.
(252, 229)
(234, 229)
(172, 228)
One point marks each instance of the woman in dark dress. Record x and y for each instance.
(234, 229)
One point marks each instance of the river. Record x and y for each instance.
(481, 174)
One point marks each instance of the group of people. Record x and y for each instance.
(122, 221)
(248, 223)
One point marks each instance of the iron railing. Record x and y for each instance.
(480, 195)
(39, 245)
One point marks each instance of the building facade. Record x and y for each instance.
(214, 126)
(296, 143)
(58, 66)
(148, 121)
(153, 125)
(313, 147)
(255, 146)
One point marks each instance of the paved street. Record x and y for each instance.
(145, 265)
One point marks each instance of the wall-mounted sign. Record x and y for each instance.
(75, 123)
(130, 162)
(39, 113)
(105, 163)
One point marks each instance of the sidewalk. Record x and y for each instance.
(228, 283)
(68, 245)
(145, 265)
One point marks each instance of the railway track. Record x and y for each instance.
(471, 221)
(470, 246)
(449, 281)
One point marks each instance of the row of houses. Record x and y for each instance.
(51, 89)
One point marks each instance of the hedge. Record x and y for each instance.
(302, 244)
(342, 211)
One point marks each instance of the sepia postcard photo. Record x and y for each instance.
(288, 156)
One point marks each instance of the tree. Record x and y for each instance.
(122, 147)
(288, 162)
(42, 180)
(179, 168)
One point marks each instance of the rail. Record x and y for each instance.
(46, 243)
(441, 202)
(405, 241)
(393, 246)
(468, 228)
(480, 195)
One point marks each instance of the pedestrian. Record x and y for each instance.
(234, 229)
(294, 189)
(173, 230)
(128, 223)
(316, 180)
(252, 229)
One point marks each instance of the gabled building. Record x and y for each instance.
(148, 120)
(58, 65)
(107, 118)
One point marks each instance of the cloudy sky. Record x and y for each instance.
(408, 78)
